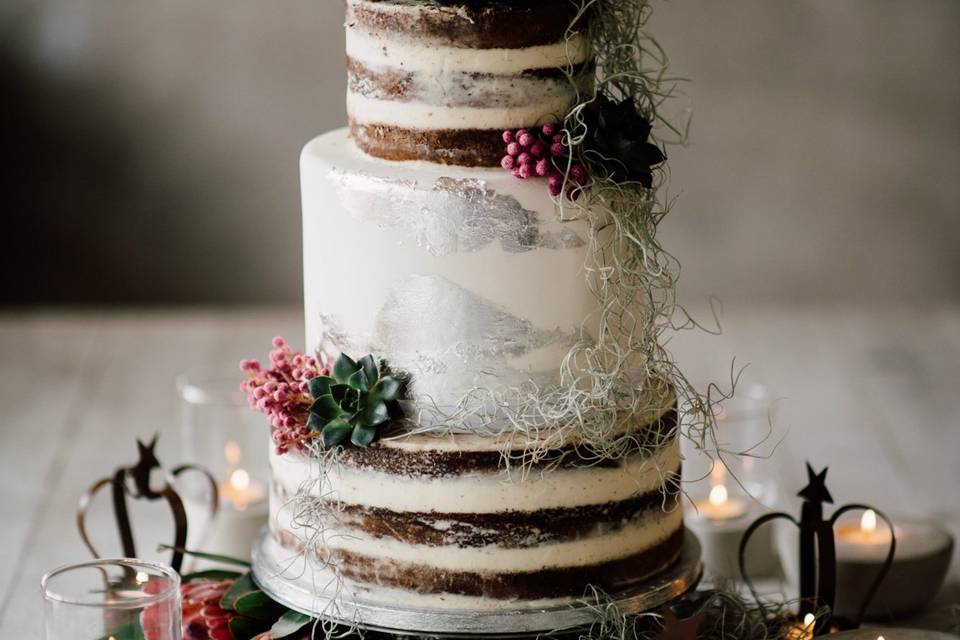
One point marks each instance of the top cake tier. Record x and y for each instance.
(441, 82)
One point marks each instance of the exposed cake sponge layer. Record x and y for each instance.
(418, 71)
(489, 492)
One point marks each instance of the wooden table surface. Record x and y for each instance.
(873, 393)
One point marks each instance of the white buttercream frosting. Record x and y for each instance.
(462, 278)
(652, 528)
(445, 85)
(419, 115)
(430, 58)
(490, 492)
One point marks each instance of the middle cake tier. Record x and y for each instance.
(465, 281)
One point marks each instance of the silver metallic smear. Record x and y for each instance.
(450, 341)
(454, 215)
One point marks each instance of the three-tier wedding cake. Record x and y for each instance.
(510, 441)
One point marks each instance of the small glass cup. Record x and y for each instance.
(222, 434)
(118, 599)
(746, 431)
(219, 430)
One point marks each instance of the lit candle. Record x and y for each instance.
(242, 514)
(865, 539)
(922, 558)
(240, 491)
(719, 505)
(803, 630)
(719, 522)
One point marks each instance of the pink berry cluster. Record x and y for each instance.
(538, 154)
(282, 392)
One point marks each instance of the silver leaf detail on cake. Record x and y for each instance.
(454, 215)
(451, 341)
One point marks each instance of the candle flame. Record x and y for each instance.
(718, 495)
(239, 483)
(868, 521)
(809, 619)
(240, 480)
(232, 453)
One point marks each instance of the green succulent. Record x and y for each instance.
(353, 402)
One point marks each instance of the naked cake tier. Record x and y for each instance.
(441, 82)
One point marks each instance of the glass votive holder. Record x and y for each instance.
(121, 598)
(745, 432)
(220, 433)
(728, 492)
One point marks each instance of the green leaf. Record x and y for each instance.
(289, 623)
(375, 414)
(210, 574)
(343, 368)
(340, 391)
(362, 436)
(316, 423)
(129, 631)
(326, 407)
(387, 388)
(369, 366)
(258, 605)
(207, 556)
(350, 401)
(393, 408)
(237, 590)
(320, 386)
(336, 432)
(243, 628)
(358, 381)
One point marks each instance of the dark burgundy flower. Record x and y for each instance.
(618, 139)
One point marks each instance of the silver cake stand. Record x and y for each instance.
(276, 581)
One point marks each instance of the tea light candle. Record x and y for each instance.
(719, 523)
(720, 506)
(863, 540)
(922, 558)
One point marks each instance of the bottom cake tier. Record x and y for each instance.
(436, 522)
(286, 583)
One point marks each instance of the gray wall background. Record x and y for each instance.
(151, 147)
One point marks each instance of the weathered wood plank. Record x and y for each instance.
(131, 394)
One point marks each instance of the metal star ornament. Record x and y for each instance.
(816, 489)
(133, 483)
(818, 560)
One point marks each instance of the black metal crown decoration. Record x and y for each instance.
(134, 482)
(818, 558)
